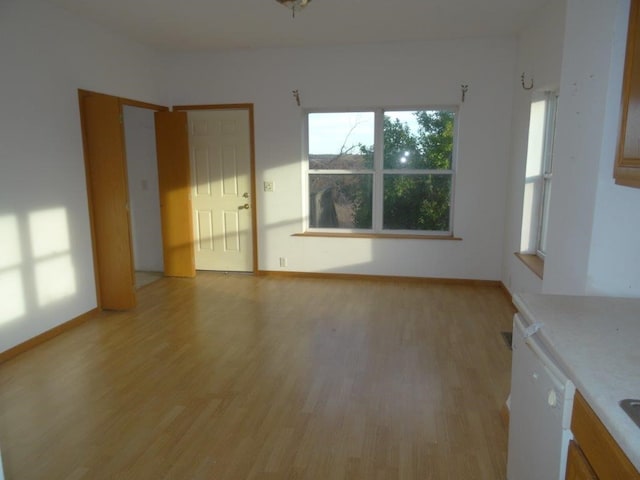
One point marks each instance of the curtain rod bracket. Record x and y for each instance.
(524, 87)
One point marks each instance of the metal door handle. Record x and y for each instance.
(244, 207)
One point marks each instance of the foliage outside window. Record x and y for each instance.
(381, 171)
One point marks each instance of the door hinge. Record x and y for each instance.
(121, 119)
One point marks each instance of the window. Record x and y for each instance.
(539, 173)
(381, 171)
(547, 173)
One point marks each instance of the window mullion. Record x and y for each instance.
(378, 157)
(551, 99)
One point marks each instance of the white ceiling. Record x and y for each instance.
(198, 25)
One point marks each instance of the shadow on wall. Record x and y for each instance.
(36, 267)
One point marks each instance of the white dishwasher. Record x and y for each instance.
(541, 404)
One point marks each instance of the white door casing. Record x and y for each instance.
(220, 155)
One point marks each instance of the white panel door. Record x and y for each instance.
(220, 151)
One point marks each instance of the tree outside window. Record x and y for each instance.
(381, 171)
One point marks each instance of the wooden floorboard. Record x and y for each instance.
(242, 377)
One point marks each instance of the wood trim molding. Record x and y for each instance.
(222, 106)
(48, 335)
(254, 196)
(356, 276)
(126, 101)
(533, 262)
(136, 103)
(376, 235)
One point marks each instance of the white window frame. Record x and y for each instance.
(551, 99)
(378, 172)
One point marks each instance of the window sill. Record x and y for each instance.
(532, 262)
(376, 235)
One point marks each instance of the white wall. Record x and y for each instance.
(579, 130)
(47, 54)
(594, 228)
(415, 74)
(594, 225)
(144, 197)
(614, 257)
(46, 268)
(540, 58)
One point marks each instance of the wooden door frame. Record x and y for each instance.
(90, 196)
(252, 167)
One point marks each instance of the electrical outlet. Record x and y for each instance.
(283, 262)
(268, 186)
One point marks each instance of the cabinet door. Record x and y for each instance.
(627, 167)
(578, 467)
(605, 456)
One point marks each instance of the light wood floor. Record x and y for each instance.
(242, 377)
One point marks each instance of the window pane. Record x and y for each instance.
(341, 141)
(340, 201)
(419, 139)
(417, 202)
(544, 222)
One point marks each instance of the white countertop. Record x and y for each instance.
(596, 340)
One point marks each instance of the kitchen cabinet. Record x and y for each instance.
(594, 455)
(578, 467)
(627, 167)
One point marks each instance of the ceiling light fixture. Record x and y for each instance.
(294, 5)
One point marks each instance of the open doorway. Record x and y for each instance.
(124, 211)
(102, 120)
(144, 196)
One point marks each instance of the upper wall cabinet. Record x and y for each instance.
(627, 167)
